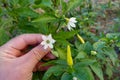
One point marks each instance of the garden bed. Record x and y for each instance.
(86, 34)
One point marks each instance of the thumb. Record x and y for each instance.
(34, 56)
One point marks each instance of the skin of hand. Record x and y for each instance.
(15, 64)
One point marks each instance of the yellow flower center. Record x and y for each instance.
(47, 41)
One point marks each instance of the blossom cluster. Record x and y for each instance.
(48, 41)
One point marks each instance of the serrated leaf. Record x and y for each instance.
(97, 69)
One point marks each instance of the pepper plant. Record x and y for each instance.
(82, 52)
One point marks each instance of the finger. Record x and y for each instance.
(39, 67)
(42, 68)
(22, 41)
(31, 58)
(49, 56)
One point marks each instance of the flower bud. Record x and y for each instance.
(75, 78)
(69, 57)
(81, 39)
(93, 53)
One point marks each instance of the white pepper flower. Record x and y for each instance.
(71, 23)
(48, 41)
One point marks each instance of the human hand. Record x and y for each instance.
(14, 64)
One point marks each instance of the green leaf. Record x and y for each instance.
(36, 76)
(45, 19)
(64, 7)
(81, 55)
(65, 35)
(56, 62)
(24, 28)
(99, 45)
(86, 47)
(118, 44)
(110, 52)
(14, 2)
(25, 12)
(109, 71)
(66, 76)
(73, 4)
(3, 36)
(62, 42)
(61, 53)
(55, 70)
(97, 69)
(83, 73)
(55, 53)
(112, 35)
(42, 27)
(85, 62)
(47, 3)
(62, 37)
(61, 62)
(101, 55)
(26, 2)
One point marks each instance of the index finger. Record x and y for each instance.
(24, 40)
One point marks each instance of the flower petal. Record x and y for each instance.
(51, 45)
(45, 46)
(43, 43)
(49, 36)
(43, 37)
(72, 24)
(69, 27)
(53, 41)
(73, 20)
